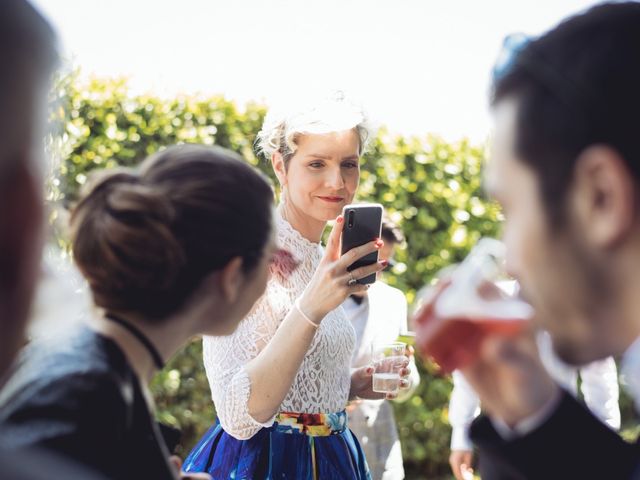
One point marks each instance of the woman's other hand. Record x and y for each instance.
(362, 382)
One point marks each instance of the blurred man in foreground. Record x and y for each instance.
(566, 169)
(27, 59)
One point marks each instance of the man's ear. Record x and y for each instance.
(603, 196)
(277, 162)
(231, 279)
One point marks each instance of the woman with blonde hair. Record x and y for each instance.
(281, 382)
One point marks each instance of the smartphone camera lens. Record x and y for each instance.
(350, 218)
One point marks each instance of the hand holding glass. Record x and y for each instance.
(388, 360)
(469, 305)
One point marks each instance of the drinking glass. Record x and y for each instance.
(474, 301)
(388, 359)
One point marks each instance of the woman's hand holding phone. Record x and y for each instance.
(362, 224)
(332, 283)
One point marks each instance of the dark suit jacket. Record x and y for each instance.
(77, 396)
(571, 444)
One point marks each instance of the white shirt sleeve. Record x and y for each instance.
(224, 360)
(600, 390)
(414, 376)
(464, 406)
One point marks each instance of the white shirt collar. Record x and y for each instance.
(630, 371)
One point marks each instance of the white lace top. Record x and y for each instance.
(323, 380)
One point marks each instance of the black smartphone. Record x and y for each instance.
(362, 224)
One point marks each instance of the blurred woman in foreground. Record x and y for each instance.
(180, 247)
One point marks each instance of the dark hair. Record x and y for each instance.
(146, 239)
(29, 44)
(391, 232)
(576, 86)
(27, 58)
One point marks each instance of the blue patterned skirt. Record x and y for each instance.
(297, 446)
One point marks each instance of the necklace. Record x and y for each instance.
(141, 337)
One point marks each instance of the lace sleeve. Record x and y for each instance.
(224, 360)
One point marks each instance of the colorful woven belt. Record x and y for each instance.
(311, 424)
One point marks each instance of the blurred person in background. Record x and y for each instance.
(380, 315)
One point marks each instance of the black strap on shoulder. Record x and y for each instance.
(141, 337)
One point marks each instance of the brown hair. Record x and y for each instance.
(146, 239)
(27, 59)
(391, 232)
(575, 86)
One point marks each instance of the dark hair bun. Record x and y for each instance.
(144, 240)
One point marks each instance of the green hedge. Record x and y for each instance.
(431, 187)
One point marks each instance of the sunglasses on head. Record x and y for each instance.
(520, 50)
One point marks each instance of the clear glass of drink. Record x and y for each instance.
(388, 359)
(475, 300)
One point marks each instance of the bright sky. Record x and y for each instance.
(418, 65)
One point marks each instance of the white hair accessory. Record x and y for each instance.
(332, 113)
